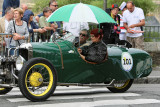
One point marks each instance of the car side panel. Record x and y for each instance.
(77, 70)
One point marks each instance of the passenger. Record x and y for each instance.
(18, 28)
(48, 27)
(97, 51)
(4, 25)
(32, 27)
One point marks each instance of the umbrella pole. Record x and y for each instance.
(99, 28)
(79, 35)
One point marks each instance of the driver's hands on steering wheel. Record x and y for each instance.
(79, 50)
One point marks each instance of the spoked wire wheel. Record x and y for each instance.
(37, 79)
(121, 86)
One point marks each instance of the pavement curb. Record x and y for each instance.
(148, 80)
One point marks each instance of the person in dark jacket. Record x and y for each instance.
(110, 30)
(97, 51)
(32, 27)
(10, 3)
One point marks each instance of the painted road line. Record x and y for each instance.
(73, 91)
(99, 103)
(108, 95)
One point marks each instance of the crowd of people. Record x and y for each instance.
(18, 20)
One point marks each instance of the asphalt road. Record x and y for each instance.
(139, 95)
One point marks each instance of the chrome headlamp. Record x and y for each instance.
(20, 62)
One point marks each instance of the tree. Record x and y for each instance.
(146, 5)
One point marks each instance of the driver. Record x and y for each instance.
(83, 35)
(96, 52)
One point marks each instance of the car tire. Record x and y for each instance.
(5, 90)
(125, 85)
(37, 73)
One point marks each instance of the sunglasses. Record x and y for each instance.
(92, 36)
(55, 5)
(82, 34)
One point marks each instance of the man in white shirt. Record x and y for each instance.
(75, 27)
(4, 24)
(133, 19)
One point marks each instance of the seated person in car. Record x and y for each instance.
(97, 51)
(83, 35)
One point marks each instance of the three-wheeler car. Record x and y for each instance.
(40, 67)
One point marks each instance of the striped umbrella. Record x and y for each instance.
(80, 13)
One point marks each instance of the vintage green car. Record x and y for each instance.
(41, 66)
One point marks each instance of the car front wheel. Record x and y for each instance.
(121, 86)
(37, 79)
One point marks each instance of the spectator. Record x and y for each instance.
(54, 6)
(4, 25)
(133, 19)
(18, 28)
(32, 27)
(122, 35)
(111, 31)
(96, 52)
(10, 3)
(48, 27)
(25, 11)
(75, 27)
(24, 7)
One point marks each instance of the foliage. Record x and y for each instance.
(151, 36)
(146, 5)
(39, 5)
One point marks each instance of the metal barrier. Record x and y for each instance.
(3, 47)
(152, 33)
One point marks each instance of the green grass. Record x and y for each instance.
(152, 37)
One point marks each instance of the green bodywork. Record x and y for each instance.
(76, 70)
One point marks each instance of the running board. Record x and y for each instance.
(111, 84)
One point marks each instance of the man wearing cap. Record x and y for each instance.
(122, 35)
(111, 31)
(133, 19)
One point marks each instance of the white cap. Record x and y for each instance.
(121, 7)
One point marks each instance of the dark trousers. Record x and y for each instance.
(112, 38)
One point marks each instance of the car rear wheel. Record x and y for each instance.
(4, 90)
(37, 79)
(121, 86)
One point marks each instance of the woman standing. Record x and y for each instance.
(18, 28)
(32, 27)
